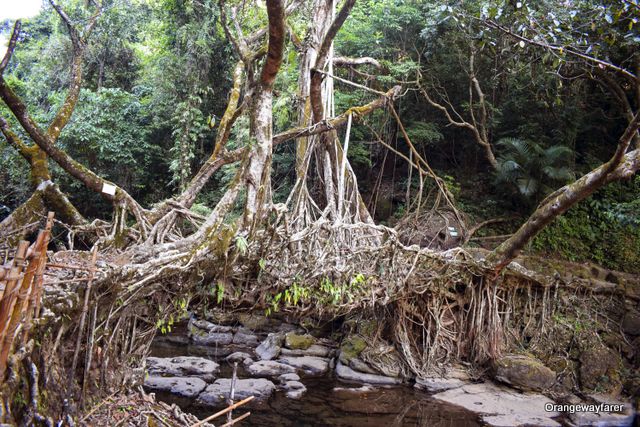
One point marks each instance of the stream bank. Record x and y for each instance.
(323, 378)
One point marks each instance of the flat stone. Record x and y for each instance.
(310, 365)
(500, 406)
(524, 373)
(438, 384)
(346, 373)
(316, 350)
(218, 392)
(238, 356)
(293, 385)
(245, 338)
(289, 377)
(269, 368)
(270, 347)
(183, 366)
(359, 365)
(210, 326)
(180, 386)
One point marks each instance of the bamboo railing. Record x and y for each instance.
(21, 283)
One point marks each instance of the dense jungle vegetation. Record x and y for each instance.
(157, 77)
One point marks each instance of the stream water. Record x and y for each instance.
(327, 402)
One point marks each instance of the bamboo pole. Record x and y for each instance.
(224, 411)
(22, 300)
(240, 418)
(9, 295)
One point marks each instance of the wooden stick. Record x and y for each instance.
(9, 295)
(224, 411)
(240, 418)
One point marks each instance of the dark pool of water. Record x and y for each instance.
(327, 402)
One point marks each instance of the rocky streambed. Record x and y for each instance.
(327, 379)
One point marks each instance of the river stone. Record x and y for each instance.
(270, 347)
(205, 325)
(346, 373)
(269, 368)
(631, 323)
(310, 365)
(289, 377)
(238, 356)
(500, 406)
(246, 338)
(359, 365)
(295, 341)
(213, 338)
(438, 384)
(294, 389)
(218, 392)
(314, 350)
(351, 347)
(184, 387)
(183, 366)
(524, 373)
(254, 322)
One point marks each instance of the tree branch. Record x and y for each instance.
(12, 45)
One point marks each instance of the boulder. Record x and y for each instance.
(351, 347)
(524, 373)
(254, 322)
(631, 323)
(359, 365)
(183, 366)
(295, 341)
(346, 373)
(238, 356)
(314, 350)
(269, 368)
(218, 393)
(180, 386)
(314, 366)
(213, 338)
(500, 406)
(270, 347)
(245, 338)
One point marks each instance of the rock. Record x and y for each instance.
(524, 373)
(314, 350)
(245, 338)
(270, 347)
(269, 368)
(346, 373)
(183, 366)
(351, 347)
(310, 365)
(213, 338)
(205, 325)
(500, 406)
(359, 365)
(180, 386)
(238, 356)
(600, 369)
(254, 322)
(438, 384)
(294, 389)
(218, 392)
(295, 341)
(383, 358)
(631, 323)
(289, 377)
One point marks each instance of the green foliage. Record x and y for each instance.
(531, 169)
(601, 229)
